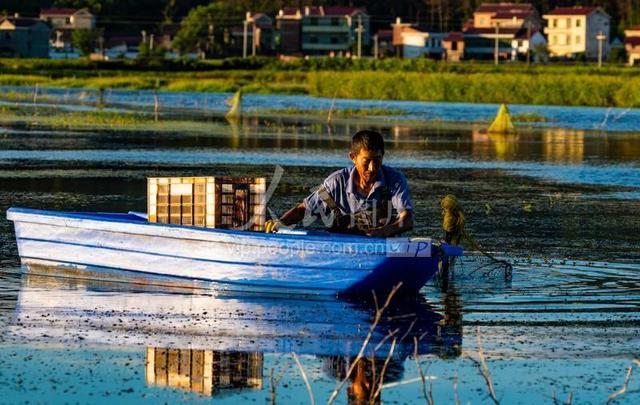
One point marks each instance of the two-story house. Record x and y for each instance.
(24, 38)
(572, 31)
(63, 21)
(513, 27)
(335, 31)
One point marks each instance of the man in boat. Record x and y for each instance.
(367, 198)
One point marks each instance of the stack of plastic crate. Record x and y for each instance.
(213, 202)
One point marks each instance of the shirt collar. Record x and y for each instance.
(351, 185)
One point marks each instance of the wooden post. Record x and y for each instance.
(600, 37)
(496, 50)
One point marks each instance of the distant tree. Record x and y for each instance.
(206, 28)
(84, 41)
(617, 55)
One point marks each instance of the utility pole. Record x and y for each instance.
(375, 46)
(244, 39)
(151, 43)
(359, 31)
(528, 43)
(497, 45)
(600, 37)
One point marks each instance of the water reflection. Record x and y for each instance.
(213, 343)
(205, 372)
(563, 146)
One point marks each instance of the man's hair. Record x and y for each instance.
(367, 139)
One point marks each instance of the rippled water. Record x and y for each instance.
(562, 205)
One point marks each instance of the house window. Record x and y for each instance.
(568, 39)
(67, 20)
(568, 22)
(578, 23)
(313, 21)
(335, 21)
(334, 40)
(554, 40)
(454, 46)
(554, 23)
(520, 44)
(313, 40)
(578, 38)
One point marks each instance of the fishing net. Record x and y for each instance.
(477, 260)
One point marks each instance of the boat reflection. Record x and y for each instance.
(216, 342)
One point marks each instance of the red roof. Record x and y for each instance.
(635, 41)
(59, 11)
(505, 7)
(454, 37)
(572, 10)
(337, 10)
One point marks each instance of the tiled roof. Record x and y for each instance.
(572, 10)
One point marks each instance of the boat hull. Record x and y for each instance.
(121, 246)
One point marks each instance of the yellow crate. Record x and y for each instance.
(213, 202)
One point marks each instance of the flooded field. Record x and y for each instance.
(562, 205)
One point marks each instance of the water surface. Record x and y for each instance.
(562, 205)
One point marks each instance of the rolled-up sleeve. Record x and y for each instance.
(400, 198)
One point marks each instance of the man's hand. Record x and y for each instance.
(380, 232)
(272, 225)
(402, 224)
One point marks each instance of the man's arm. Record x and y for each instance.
(291, 217)
(294, 215)
(403, 223)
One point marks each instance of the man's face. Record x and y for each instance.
(367, 163)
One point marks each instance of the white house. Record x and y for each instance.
(415, 42)
(578, 30)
